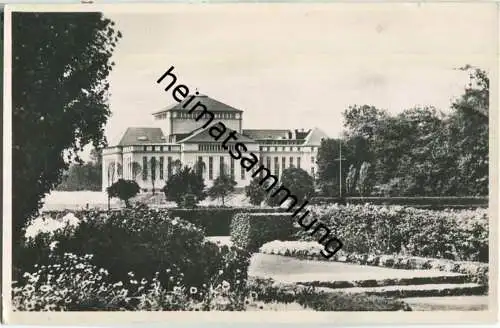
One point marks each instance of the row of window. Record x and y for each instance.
(149, 166)
(219, 147)
(215, 148)
(194, 115)
(277, 148)
(157, 148)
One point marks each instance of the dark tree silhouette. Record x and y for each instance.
(60, 63)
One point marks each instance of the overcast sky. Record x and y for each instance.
(299, 66)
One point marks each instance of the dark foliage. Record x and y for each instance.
(183, 182)
(222, 188)
(252, 230)
(215, 221)
(143, 241)
(123, 189)
(60, 62)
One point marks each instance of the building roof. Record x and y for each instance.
(266, 134)
(211, 104)
(315, 136)
(260, 134)
(141, 135)
(203, 135)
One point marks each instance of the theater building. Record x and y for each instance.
(150, 155)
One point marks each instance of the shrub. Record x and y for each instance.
(370, 229)
(123, 189)
(141, 240)
(182, 182)
(255, 192)
(251, 230)
(222, 187)
(215, 221)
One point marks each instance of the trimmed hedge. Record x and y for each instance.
(426, 202)
(215, 221)
(251, 230)
(460, 235)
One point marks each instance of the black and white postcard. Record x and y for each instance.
(263, 162)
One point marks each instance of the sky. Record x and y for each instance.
(298, 65)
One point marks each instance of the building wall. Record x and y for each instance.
(189, 154)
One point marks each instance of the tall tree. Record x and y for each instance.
(60, 63)
(223, 187)
(255, 192)
(184, 182)
(469, 134)
(136, 170)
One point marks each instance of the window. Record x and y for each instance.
(276, 167)
(283, 163)
(199, 167)
(153, 148)
(232, 168)
(161, 167)
(291, 162)
(153, 168)
(169, 167)
(145, 148)
(161, 148)
(221, 165)
(268, 163)
(298, 162)
(144, 168)
(210, 168)
(312, 159)
(169, 148)
(242, 172)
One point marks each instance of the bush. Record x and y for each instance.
(215, 221)
(123, 189)
(370, 229)
(251, 230)
(183, 182)
(144, 241)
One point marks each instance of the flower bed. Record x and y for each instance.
(476, 271)
(460, 235)
(139, 240)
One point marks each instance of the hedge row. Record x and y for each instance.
(476, 271)
(216, 221)
(431, 202)
(251, 230)
(369, 229)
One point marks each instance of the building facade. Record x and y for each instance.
(150, 155)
